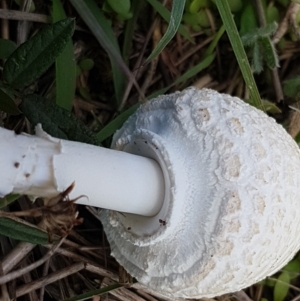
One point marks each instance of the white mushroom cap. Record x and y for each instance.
(231, 213)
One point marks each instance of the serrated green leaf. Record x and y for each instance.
(18, 229)
(267, 30)
(55, 120)
(7, 47)
(257, 33)
(65, 66)
(281, 287)
(30, 60)
(291, 87)
(166, 15)
(7, 104)
(114, 125)
(269, 53)
(8, 199)
(175, 19)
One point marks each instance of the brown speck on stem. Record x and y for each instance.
(27, 175)
(162, 222)
(16, 164)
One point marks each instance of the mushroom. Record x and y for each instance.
(209, 186)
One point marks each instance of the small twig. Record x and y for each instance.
(156, 37)
(45, 272)
(91, 264)
(294, 120)
(15, 256)
(290, 17)
(25, 289)
(13, 275)
(23, 16)
(242, 296)
(4, 23)
(23, 25)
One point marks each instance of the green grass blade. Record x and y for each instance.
(166, 15)
(239, 51)
(114, 125)
(19, 229)
(206, 62)
(175, 19)
(65, 66)
(210, 49)
(89, 295)
(30, 60)
(187, 75)
(129, 29)
(8, 199)
(100, 27)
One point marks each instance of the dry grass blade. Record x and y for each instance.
(25, 289)
(13, 275)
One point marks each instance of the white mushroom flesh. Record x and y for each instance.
(231, 214)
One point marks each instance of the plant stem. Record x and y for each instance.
(239, 51)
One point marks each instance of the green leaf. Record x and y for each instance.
(119, 6)
(65, 66)
(281, 287)
(7, 104)
(129, 29)
(291, 87)
(269, 53)
(253, 35)
(210, 49)
(55, 120)
(239, 51)
(257, 60)
(97, 292)
(7, 47)
(166, 15)
(114, 125)
(268, 105)
(35, 56)
(293, 268)
(86, 64)
(101, 28)
(18, 229)
(8, 199)
(175, 19)
(248, 20)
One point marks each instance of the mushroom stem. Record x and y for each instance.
(42, 166)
